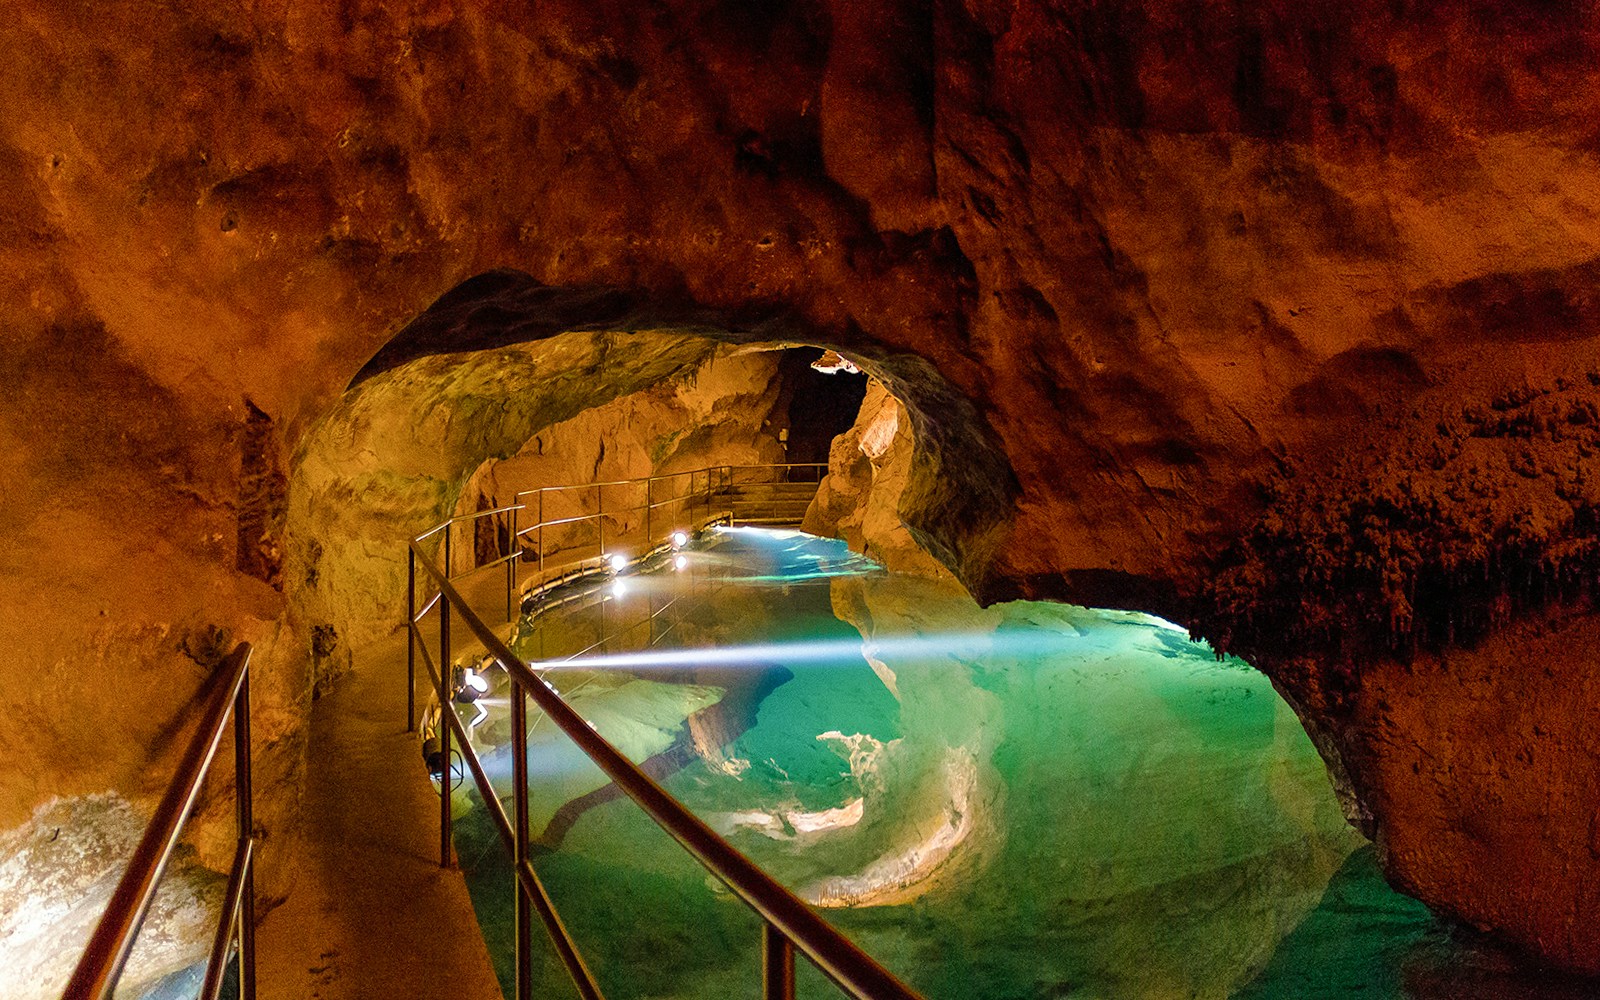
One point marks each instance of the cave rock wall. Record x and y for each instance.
(720, 413)
(869, 470)
(395, 458)
(1174, 254)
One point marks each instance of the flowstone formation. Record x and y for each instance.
(1162, 254)
(860, 498)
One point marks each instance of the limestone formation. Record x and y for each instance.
(869, 469)
(721, 413)
(1140, 273)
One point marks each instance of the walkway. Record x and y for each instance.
(371, 913)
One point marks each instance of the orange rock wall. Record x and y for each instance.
(1170, 252)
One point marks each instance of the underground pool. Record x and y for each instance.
(1023, 801)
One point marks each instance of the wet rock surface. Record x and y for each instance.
(860, 499)
(1150, 260)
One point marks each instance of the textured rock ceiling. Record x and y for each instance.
(1178, 256)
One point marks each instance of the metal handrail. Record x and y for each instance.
(789, 922)
(779, 465)
(98, 970)
(474, 515)
(658, 477)
(669, 501)
(719, 479)
(532, 889)
(716, 476)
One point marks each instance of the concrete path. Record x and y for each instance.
(372, 915)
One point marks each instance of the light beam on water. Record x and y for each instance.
(959, 645)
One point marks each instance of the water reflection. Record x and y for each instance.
(1029, 800)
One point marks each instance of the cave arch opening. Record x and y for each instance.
(504, 383)
(436, 422)
(754, 405)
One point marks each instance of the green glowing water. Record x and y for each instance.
(1043, 801)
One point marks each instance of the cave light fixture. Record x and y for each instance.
(680, 539)
(470, 687)
(618, 561)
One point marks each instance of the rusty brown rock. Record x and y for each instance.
(1163, 254)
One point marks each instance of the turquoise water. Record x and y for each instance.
(1026, 801)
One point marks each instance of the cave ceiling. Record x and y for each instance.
(1204, 273)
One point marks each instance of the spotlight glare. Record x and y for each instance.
(477, 682)
(618, 589)
(679, 539)
(888, 648)
(680, 562)
(619, 562)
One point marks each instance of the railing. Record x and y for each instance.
(788, 923)
(717, 498)
(112, 941)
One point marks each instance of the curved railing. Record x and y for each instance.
(112, 941)
(694, 497)
(788, 923)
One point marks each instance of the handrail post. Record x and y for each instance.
(541, 535)
(449, 529)
(647, 498)
(600, 516)
(445, 668)
(244, 793)
(515, 552)
(519, 792)
(777, 964)
(411, 639)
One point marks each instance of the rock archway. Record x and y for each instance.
(502, 357)
(501, 363)
(1182, 260)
